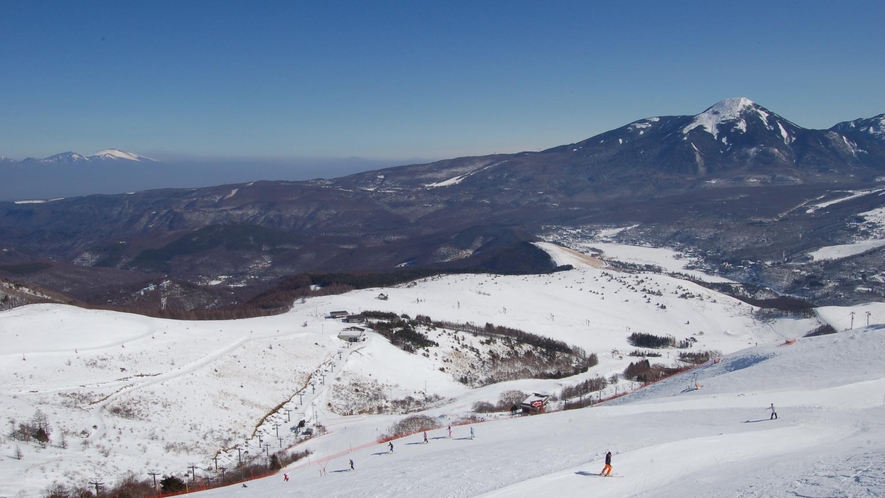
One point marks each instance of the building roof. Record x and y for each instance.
(351, 332)
(536, 400)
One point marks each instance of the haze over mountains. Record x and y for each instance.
(113, 171)
(750, 194)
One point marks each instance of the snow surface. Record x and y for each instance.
(190, 389)
(667, 440)
(845, 250)
(667, 259)
(875, 216)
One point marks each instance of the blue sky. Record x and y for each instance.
(407, 80)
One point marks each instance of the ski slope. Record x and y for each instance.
(829, 438)
(134, 394)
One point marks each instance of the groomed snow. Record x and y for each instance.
(669, 439)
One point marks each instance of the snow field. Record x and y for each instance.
(193, 389)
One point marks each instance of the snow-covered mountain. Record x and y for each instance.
(740, 116)
(73, 157)
(734, 140)
(64, 157)
(115, 154)
(107, 171)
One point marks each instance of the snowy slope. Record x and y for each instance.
(135, 393)
(715, 441)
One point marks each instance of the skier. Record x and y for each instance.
(471, 433)
(390, 445)
(286, 477)
(450, 432)
(773, 413)
(351, 465)
(607, 470)
(425, 437)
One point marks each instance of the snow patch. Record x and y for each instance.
(787, 137)
(854, 195)
(446, 183)
(640, 125)
(842, 251)
(459, 178)
(763, 116)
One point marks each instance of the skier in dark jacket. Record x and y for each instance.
(607, 470)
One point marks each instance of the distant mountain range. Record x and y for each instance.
(73, 157)
(727, 185)
(113, 171)
(735, 141)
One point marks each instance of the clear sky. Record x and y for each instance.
(402, 80)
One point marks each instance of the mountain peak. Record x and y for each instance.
(731, 107)
(727, 111)
(119, 154)
(874, 126)
(66, 157)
